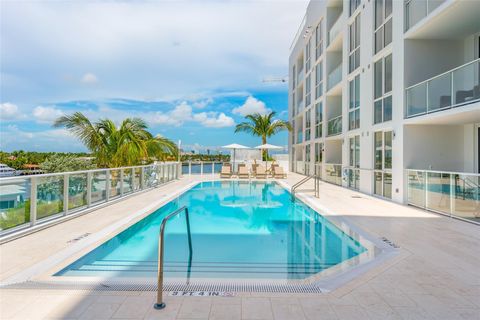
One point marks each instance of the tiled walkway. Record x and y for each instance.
(435, 276)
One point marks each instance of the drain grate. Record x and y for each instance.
(79, 237)
(390, 243)
(124, 286)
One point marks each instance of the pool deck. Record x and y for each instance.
(435, 275)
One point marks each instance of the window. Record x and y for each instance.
(318, 80)
(382, 104)
(383, 24)
(318, 152)
(308, 88)
(383, 163)
(293, 132)
(293, 104)
(318, 40)
(318, 120)
(354, 5)
(300, 132)
(294, 77)
(307, 159)
(7, 204)
(308, 50)
(354, 156)
(308, 124)
(354, 105)
(354, 53)
(355, 151)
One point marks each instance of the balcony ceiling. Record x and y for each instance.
(450, 21)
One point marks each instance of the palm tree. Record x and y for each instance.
(263, 126)
(127, 145)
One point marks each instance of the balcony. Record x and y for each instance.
(417, 10)
(454, 88)
(439, 19)
(334, 77)
(300, 137)
(300, 106)
(455, 194)
(333, 173)
(300, 76)
(334, 126)
(335, 30)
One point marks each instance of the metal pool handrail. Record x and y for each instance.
(160, 304)
(298, 184)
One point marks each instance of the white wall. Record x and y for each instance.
(435, 147)
(427, 58)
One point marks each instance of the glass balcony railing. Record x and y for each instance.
(455, 194)
(300, 106)
(334, 77)
(334, 30)
(416, 10)
(448, 90)
(334, 126)
(300, 76)
(333, 173)
(300, 137)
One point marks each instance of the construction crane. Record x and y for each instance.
(275, 79)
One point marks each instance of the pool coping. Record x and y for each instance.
(41, 275)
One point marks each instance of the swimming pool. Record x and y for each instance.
(239, 229)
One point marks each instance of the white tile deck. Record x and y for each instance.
(435, 276)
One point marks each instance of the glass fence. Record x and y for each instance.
(448, 90)
(416, 10)
(29, 200)
(452, 193)
(335, 30)
(334, 126)
(201, 167)
(334, 77)
(333, 173)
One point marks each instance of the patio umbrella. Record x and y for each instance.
(234, 147)
(267, 146)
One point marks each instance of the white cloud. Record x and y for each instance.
(214, 120)
(202, 104)
(251, 105)
(136, 51)
(9, 111)
(184, 112)
(89, 78)
(46, 114)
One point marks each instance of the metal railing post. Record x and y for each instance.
(426, 189)
(33, 201)
(201, 168)
(107, 187)
(65, 193)
(89, 189)
(121, 182)
(142, 178)
(452, 193)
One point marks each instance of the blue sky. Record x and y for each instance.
(192, 69)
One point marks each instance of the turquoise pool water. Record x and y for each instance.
(239, 230)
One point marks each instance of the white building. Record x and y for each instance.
(377, 87)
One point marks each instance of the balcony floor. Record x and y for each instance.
(435, 275)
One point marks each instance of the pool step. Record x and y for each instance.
(148, 267)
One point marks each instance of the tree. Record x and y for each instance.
(127, 145)
(263, 126)
(65, 163)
